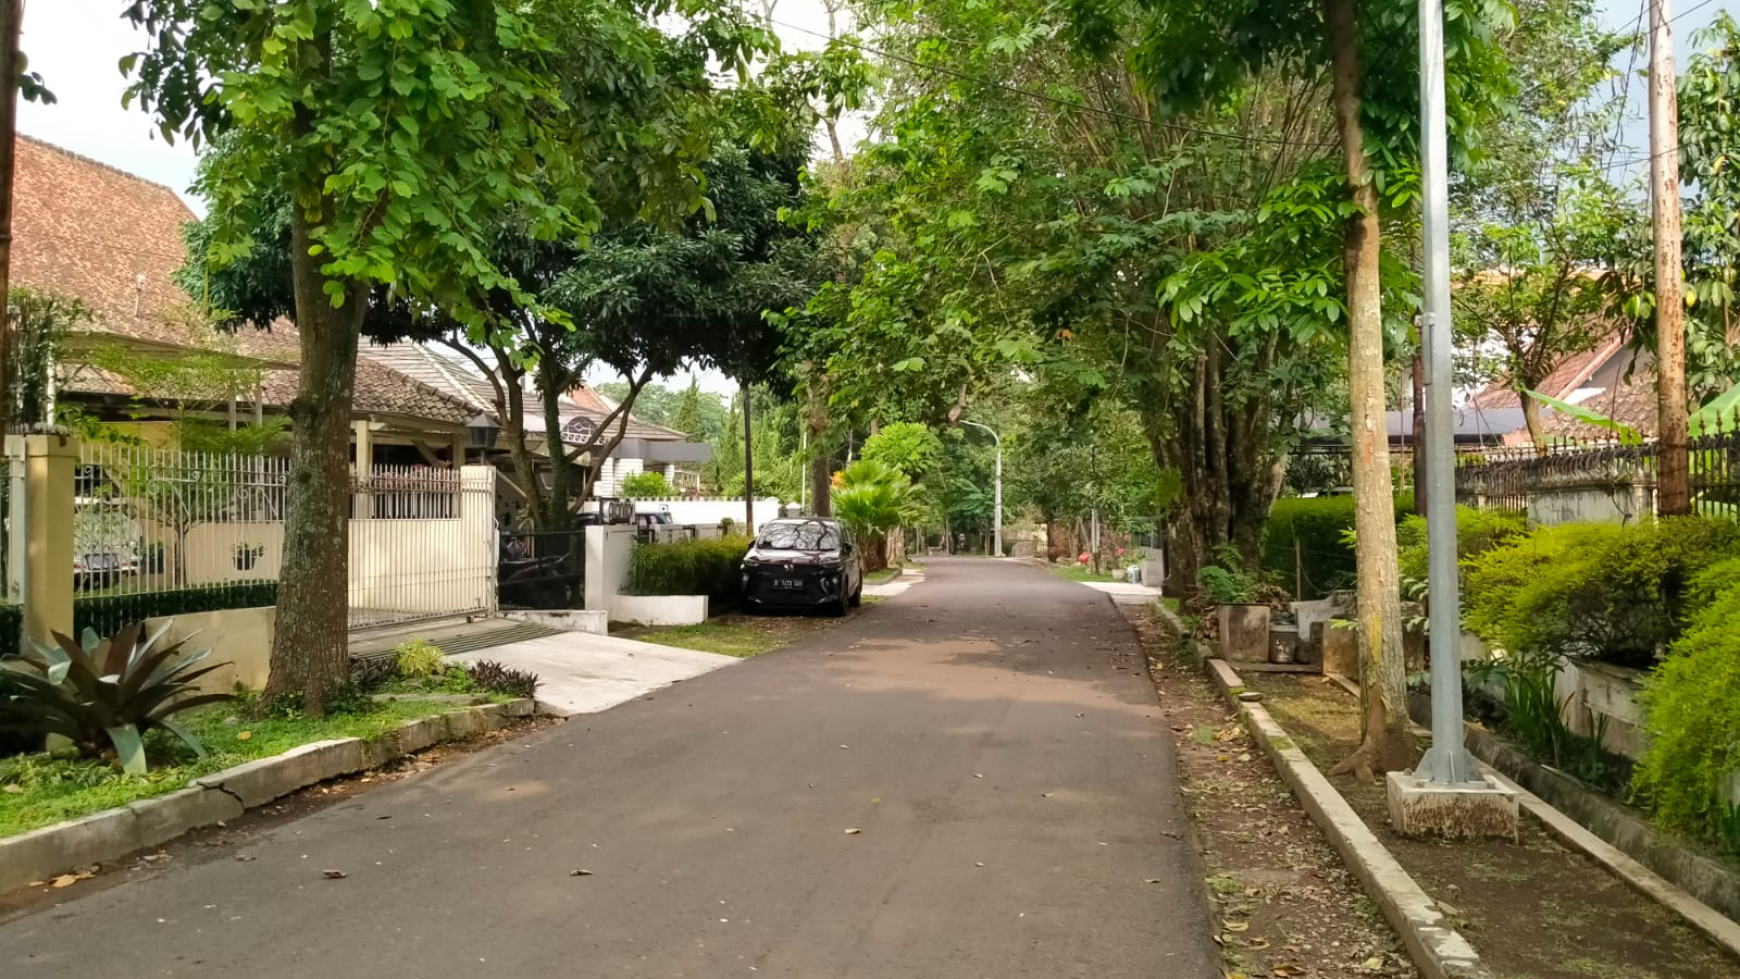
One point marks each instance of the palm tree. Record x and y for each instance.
(873, 499)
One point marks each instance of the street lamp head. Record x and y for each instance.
(481, 432)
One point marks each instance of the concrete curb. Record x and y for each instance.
(1438, 950)
(113, 833)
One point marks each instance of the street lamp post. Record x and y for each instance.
(997, 501)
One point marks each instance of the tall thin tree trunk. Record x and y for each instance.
(821, 477)
(11, 19)
(1386, 745)
(552, 388)
(1532, 419)
(1674, 493)
(310, 645)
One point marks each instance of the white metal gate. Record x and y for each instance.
(422, 544)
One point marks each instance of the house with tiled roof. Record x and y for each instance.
(644, 446)
(1611, 378)
(112, 240)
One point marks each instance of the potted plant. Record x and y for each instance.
(1243, 621)
(246, 554)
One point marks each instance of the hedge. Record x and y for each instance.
(1317, 527)
(692, 567)
(1477, 531)
(1606, 592)
(107, 613)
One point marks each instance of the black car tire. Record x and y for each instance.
(858, 596)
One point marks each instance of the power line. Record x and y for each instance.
(1052, 99)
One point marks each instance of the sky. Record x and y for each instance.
(77, 45)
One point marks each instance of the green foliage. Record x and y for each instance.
(372, 674)
(107, 613)
(497, 678)
(1691, 722)
(647, 485)
(104, 695)
(1534, 714)
(689, 567)
(908, 447)
(1310, 533)
(1477, 531)
(1227, 586)
(418, 658)
(873, 498)
(1618, 594)
(39, 322)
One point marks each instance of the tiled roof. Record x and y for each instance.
(1567, 376)
(111, 239)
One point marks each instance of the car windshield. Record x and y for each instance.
(808, 536)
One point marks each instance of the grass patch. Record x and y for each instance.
(878, 577)
(741, 636)
(40, 790)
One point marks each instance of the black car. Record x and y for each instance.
(806, 562)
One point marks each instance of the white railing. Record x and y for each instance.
(149, 519)
(152, 520)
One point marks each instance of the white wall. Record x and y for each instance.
(710, 510)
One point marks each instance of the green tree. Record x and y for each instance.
(873, 500)
(686, 417)
(647, 485)
(353, 115)
(906, 447)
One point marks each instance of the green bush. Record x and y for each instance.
(108, 613)
(1691, 722)
(1613, 593)
(1477, 531)
(1318, 527)
(417, 658)
(647, 485)
(1224, 586)
(690, 567)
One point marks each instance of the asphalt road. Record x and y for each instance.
(989, 733)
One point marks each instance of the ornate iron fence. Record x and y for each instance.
(1509, 478)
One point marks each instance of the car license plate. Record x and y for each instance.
(788, 583)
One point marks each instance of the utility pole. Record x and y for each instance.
(1674, 492)
(1448, 762)
(11, 20)
(997, 497)
(748, 469)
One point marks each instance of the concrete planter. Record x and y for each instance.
(595, 621)
(1607, 693)
(1340, 649)
(1244, 633)
(659, 609)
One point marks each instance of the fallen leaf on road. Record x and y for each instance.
(1372, 964)
(853, 832)
(580, 873)
(334, 874)
(978, 864)
(1152, 880)
(1288, 970)
(68, 880)
(1236, 925)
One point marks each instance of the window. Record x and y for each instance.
(811, 535)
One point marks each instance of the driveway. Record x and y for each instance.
(990, 736)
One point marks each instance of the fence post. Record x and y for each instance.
(49, 464)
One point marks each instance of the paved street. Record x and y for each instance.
(989, 733)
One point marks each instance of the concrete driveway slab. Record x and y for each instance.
(583, 673)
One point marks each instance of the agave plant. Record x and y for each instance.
(104, 694)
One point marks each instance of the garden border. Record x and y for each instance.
(1436, 948)
(113, 833)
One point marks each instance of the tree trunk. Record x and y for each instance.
(1532, 418)
(821, 478)
(1386, 745)
(553, 379)
(310, 645)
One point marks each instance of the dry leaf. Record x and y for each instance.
(1372, 964)
(68, 880)
(334, 874)
(1257, 943)
(853, 832)
(580, 873)
(13, 788)
(1288, 970)
(244, 735)
(1236, 925)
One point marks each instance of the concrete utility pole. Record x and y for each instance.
(1674, 491)
(997, 500)
(1448, 762)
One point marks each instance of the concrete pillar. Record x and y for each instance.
(456, 454)
(363, 443)
(49, 463)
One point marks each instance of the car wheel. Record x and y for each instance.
(858, 596)
(841, 605)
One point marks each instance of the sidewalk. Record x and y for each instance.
(581, 673)
(1124, 593)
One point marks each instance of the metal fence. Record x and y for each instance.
(163, 532)
(542, 569)
(1509, 478)
(422, 544)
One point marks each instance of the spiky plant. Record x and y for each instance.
(103, 695)
(496, 678)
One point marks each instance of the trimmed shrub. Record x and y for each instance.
(1477, 531)
(1617, 594)
(1317, 527)
(647, 485)
(108, 613)
(1691, 719)
(417, 658)
(692, 567)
